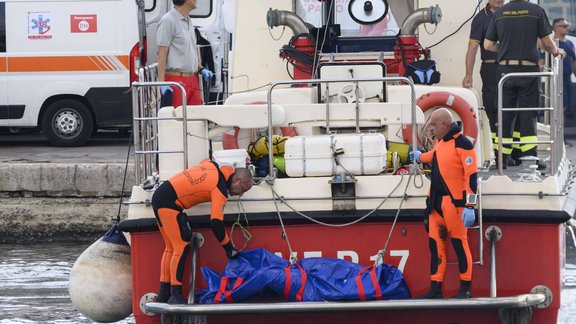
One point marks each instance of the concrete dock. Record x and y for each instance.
(61, 193)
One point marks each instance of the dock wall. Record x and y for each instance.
(43, 202)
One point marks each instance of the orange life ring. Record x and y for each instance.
(230, 141)
(446, 99)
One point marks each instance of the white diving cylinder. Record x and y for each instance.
(101, 279)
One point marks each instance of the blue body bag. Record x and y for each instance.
(261, 274)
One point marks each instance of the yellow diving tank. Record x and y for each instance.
(101, 279)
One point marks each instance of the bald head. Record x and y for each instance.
(440, 122)
(241, 182)
(443, 115)
(243, 174)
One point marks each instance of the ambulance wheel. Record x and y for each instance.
(67, 122)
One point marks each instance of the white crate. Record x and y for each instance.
(235, 158)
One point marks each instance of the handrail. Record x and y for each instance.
(194, 244)
(271, 173)
(480, 222)
(519, 301)
(492, 234)
(140, 110)
(554, 75)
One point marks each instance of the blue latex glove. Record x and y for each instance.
(206, 74)
(163, 89)
(468, 216)
(414, 156)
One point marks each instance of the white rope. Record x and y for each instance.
(284, 233)
(245, 230)
(335, 225)
(415, 170)
(382, 253)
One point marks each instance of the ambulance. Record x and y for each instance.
(66, 66)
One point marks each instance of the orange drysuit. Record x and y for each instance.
(205, 182)
(453, 177)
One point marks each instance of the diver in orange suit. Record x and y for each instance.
(451, 200)
(206, 182)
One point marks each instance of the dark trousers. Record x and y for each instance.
(567, 99)
(520, 92)
(490, 97)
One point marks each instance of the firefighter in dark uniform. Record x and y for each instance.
(514, 33)
(206, 182)
(451, 200)
(488, 74)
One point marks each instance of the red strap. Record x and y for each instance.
(223, 283)
(288, 284)
(377, 290)
(303, 283)
(288, 281)
(223, 290)
(361, 293)
(228, 293)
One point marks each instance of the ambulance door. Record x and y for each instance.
(155, 9)
(3, 68)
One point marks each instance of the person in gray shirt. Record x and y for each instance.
(178, 58)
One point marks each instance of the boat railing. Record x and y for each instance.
(146, 100)
(480, 227)
(538, 297)
(556, 119)
(195, 243)
(271, 171)
(493, 234)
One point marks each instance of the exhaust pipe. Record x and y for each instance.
(276, 18)
(431, 15)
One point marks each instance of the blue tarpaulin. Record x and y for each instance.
(259, 273)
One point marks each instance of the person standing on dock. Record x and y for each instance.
(178, 58)
(451, 200)
(206, 182)
(488, 74)
(514, 33)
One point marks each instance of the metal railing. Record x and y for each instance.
(556, 119)
(146, 98)
(195, 243)
(271, 173)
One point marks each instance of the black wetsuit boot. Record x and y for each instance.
(464, 291)
(435, 291)
(164, 293)
(176, 297)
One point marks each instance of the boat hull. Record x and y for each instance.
(527, 255)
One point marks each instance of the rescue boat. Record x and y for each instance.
(343, 188)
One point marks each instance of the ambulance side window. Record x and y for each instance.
(2, 27)
(203, 9)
